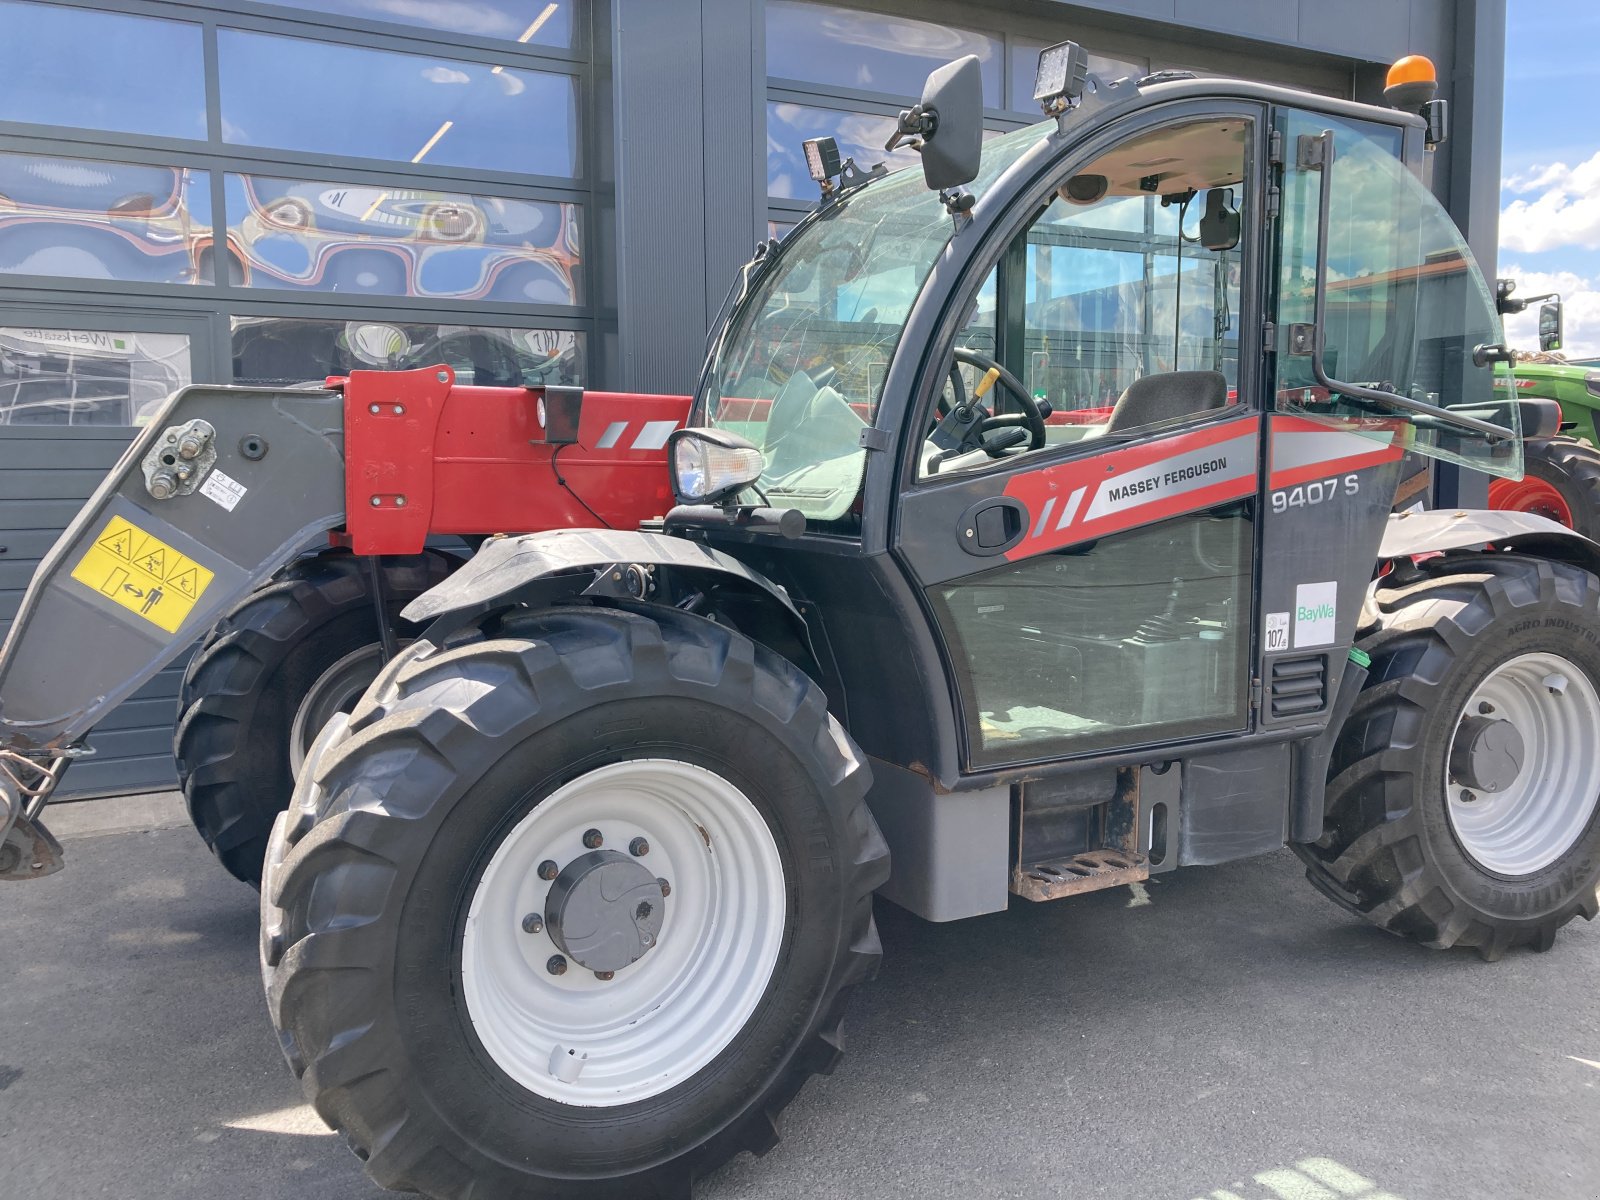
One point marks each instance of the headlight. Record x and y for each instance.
(709, 465)
(1591, 381)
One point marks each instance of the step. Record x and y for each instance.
(1087, 872)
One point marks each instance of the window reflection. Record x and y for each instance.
(535, 22)
(285, 351)
(400, 241)
(82, 219)
(74, 66)
(299, 94)
(1025, 65)
(860, 136)
(88, 376)
(818, 43)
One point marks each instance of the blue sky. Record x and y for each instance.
(1550, 165)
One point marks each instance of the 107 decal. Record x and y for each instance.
(1319, 491)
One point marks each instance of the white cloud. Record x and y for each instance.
(1581, 318)
(445, 75)
(1564, 208)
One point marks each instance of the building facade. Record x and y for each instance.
(530, 190)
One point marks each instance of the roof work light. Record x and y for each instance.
(822, 158)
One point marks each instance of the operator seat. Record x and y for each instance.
(1164, 397)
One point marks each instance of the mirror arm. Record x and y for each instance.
(1324, 162)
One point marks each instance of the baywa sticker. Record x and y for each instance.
(1316, 607)
(143, 574)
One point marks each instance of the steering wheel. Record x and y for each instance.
(1033, 413)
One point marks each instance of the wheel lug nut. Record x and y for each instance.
(548, 870)
(532, 923)
(638, 847)
(592, 839)
(605, 976)
(557, 965)
(666, 888)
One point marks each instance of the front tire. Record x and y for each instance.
(410, 925)
(1439, 827)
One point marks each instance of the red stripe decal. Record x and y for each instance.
(1088, 498)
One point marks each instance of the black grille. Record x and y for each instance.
(1299, 686)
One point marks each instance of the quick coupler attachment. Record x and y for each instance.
(27, 851)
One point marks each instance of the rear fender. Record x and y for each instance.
(563, 564)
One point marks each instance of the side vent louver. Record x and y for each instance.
(1299, 686)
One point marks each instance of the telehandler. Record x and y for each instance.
(569, 903)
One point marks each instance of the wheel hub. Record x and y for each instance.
(1487, 754)
(604, 910)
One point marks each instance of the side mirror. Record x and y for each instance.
(947, 126)
(1550, 326)
(1220, 224)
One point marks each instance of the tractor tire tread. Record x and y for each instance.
(237, 659)
(1370, 859)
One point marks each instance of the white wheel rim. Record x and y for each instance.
(578, 1039)
(1528, 825)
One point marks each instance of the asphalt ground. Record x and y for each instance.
(1222, 1033)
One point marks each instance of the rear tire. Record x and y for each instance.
(1561, 481)
(398, 881)
(253, 677)
(1401, 846)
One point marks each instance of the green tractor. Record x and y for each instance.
(1561, 477)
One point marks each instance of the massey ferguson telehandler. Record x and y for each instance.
(568, 904)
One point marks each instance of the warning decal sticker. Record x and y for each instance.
(143, 574)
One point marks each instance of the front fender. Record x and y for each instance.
(540, 568)
(1411, 534)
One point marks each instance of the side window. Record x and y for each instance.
(1127, 314)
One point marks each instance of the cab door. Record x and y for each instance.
(1094, 593)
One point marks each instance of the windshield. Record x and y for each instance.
(800, 365)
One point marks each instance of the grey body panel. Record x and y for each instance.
(951, 854)
(71, 654)
(1233, 804)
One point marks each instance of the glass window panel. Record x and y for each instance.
(818, 43)
(1130, 639)
(82, 219)
(280, 351)
(1406, 304)
(349, 100)
(1025, 64)
(536, 22)
(88, 377)
(100, 70)
(400, 241)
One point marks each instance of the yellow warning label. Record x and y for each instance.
(143, 574)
